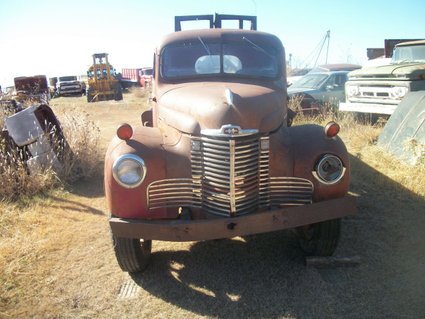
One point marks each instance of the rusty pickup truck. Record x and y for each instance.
(215, 157)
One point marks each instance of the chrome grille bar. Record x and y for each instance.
(174, 192)
(230, 176)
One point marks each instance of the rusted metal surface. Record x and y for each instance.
(265, 221)
(35, 133)
(32, 89)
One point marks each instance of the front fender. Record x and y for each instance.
(303, 147)
(146, 143)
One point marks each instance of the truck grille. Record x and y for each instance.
(230, 177)
(228, 171)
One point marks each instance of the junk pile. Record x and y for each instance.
(30, 131)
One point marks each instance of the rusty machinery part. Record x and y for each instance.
(36, 135)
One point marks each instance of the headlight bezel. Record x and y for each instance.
(352, 90)
(323, 176)
(398, 92)
(118, 174)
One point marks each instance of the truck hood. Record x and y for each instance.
(192, 108)
(409, 70)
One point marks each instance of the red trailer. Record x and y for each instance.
(130, 78)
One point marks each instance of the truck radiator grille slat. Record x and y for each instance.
(230, 177)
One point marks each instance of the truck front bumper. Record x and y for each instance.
(207, 229)
(70, 91)
(368, 108)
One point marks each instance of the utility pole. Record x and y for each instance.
(327, 37)
(328, 34)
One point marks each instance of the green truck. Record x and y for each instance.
(380, 89)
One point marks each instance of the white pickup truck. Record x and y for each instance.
(70, 85)
(380, 89)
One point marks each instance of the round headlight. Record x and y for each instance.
(129, 170)
(399, 92)
(352, 90)
(329, 169)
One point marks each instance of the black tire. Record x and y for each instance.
(89, 95)
(320, 239)
(118, 92)
(133, 255)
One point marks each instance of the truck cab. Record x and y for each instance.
(214, 156)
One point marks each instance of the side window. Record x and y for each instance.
(340, 80)
(330, 81)
(337, 81)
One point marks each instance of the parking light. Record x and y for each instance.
(332, 129)
(125, 131)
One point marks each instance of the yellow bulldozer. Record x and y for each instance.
(103, 84)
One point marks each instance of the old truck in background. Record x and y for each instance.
(215, 157)
(130, 77)
(146, 75)
(70, 85)
(136, 77)
(31, 89)
(379, 90)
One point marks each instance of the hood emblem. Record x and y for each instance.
(230, 129)
(229, 97)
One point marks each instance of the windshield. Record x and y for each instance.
(199, 57)
(67, 78)
(413, 53)
(310, 81)
(147, 72)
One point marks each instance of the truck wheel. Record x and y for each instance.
(118, 93)
(89, 95)
(133, 255)
(320, 239)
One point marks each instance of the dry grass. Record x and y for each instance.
(80, 161)
(81, 134)
(56, 259)
(361, 139)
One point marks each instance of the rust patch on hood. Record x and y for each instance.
(210, 105)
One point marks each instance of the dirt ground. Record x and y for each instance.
(261, 276)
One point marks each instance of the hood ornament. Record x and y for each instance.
(229, 96)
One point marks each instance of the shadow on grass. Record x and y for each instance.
(66, 204)
(264, 276)
(91, 187)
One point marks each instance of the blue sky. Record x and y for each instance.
(58, 37)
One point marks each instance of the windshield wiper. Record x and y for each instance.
(204, 45)
(257, 46)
